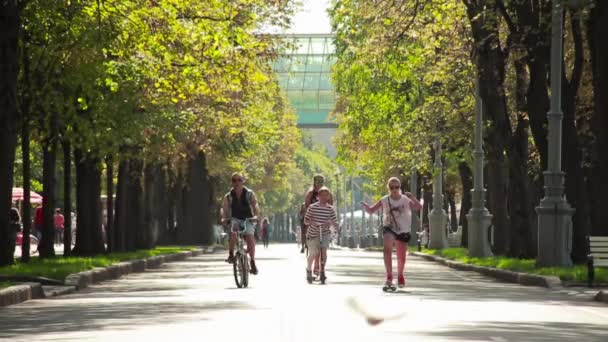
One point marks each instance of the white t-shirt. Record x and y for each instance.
(402, 213)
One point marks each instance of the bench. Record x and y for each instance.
(598, 256)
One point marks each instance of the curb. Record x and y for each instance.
(527, 279)
(77, 281)
(55, 291)
(601, 297)
(82, 280)
(20, 293)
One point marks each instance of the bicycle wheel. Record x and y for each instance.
(238, 270)
(245, 266)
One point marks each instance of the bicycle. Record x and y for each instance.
(240, 266)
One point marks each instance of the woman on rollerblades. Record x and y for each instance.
(397, 211)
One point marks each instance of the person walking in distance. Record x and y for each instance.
(266, 230)
(397, 210)
(59, 222)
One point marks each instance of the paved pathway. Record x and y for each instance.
(196, 300)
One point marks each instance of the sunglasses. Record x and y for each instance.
(395, 187)
(237, 180)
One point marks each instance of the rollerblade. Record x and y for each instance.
(389, 286)
(401, 281)
(309, 277)
(322, 277)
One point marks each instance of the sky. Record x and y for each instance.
(312, 17)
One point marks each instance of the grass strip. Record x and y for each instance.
(58, 268)
(5, 284)
(576, 273)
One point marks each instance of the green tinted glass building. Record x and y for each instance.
(304, 73)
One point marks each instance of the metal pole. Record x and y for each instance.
(479, 218)
(438, 217)
(415, 220)
(554, 212)
(351, 235)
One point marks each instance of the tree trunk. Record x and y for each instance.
(109, 203)
(522, 244)
(597, 32)
(198, 228)
(466, 178)
(49, 160)
(490, 61)
(533, 21)
(122, 200)
(27, 206)
(67, 198)
(155, 216)
(149, 219)
(25, 149)
(571, 151)
(182, 210)
(171, 210)
(161, 204)
(89, 239)
(10, 13)
(135, 230)
(428, 201)
(451, 197)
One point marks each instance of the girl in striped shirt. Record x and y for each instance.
(320, 216)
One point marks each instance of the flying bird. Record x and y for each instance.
(372, 319)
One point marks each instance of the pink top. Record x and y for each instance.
(59, 221)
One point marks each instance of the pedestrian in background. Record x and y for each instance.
(59, 225)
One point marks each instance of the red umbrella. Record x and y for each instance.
(18, 196)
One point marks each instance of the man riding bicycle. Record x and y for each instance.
(240, 204)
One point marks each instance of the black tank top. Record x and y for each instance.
(240, 207)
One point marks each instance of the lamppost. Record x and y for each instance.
(337, 200)
(554, 213)
(351, 230)
(415, 219)
(438, 217)
(479, 218)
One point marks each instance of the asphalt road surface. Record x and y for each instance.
(197, 300)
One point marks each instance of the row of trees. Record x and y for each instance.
(406, 75)
(155, 102)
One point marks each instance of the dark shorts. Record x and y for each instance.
(403, 237)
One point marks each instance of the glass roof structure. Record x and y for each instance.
(304, 74)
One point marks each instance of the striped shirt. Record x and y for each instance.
(319, 217)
